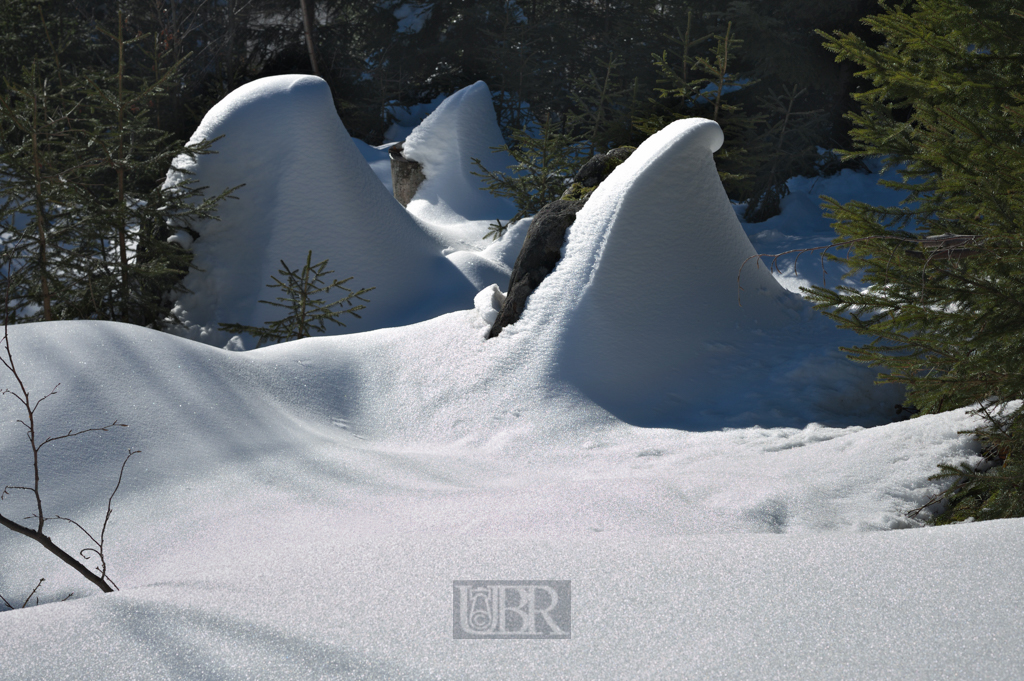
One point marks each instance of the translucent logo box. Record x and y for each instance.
(511, 609)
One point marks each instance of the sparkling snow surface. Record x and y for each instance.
(711, 477)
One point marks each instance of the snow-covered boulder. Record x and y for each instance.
(648, 315)
(307, 187)
(462, 128)
(657, 252)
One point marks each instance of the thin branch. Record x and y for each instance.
(48, 544)
(39, 401)
(99, 550)
(110, 501)
(81, 432)
(41, 580)
(101, 580)
(84, 531)
(10, 487)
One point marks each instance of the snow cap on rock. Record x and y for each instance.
(646, 313)
(462, 128)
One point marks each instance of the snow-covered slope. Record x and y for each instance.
(648, 314)
(301, 511)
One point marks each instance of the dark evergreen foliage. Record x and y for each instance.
(544, 168)
(605, 107)
(946, 269)
(86, 208)
(699, 80)
(101, 147)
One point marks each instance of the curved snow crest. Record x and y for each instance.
(659, 232)
(647, 313)
(462, 128)
(307, 187)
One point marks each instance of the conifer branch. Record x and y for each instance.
(308, 312)
(939, 247)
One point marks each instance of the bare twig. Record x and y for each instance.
(25, 604)
(41, 580)
(48, 544)
(99, 550)
(101, 580)
(938, 498)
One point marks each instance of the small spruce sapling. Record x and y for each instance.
(544, 167)
(605, 107)
(696, 86)
(789, 144)
(307, 313)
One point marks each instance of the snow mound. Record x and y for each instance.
(300, 511)
(307, 187)
(408, 117)
(290, 503)
(379, 161)
(647, 313)
(462, 128)
(488, 303)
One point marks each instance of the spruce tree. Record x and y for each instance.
(127, 214)
(699, 79)
(605, 106)
(789, 137)
(945, 270)
(306, 312)
(86, 201)
(35, 164)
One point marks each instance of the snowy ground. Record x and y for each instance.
(724, 490)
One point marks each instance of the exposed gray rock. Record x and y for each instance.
(620, 154)
(594, 171)
(542, 248)
(406, 175)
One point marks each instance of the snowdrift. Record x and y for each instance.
(307, 187)
(300, 511)
(643, 315)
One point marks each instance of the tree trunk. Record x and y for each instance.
(308, 22)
